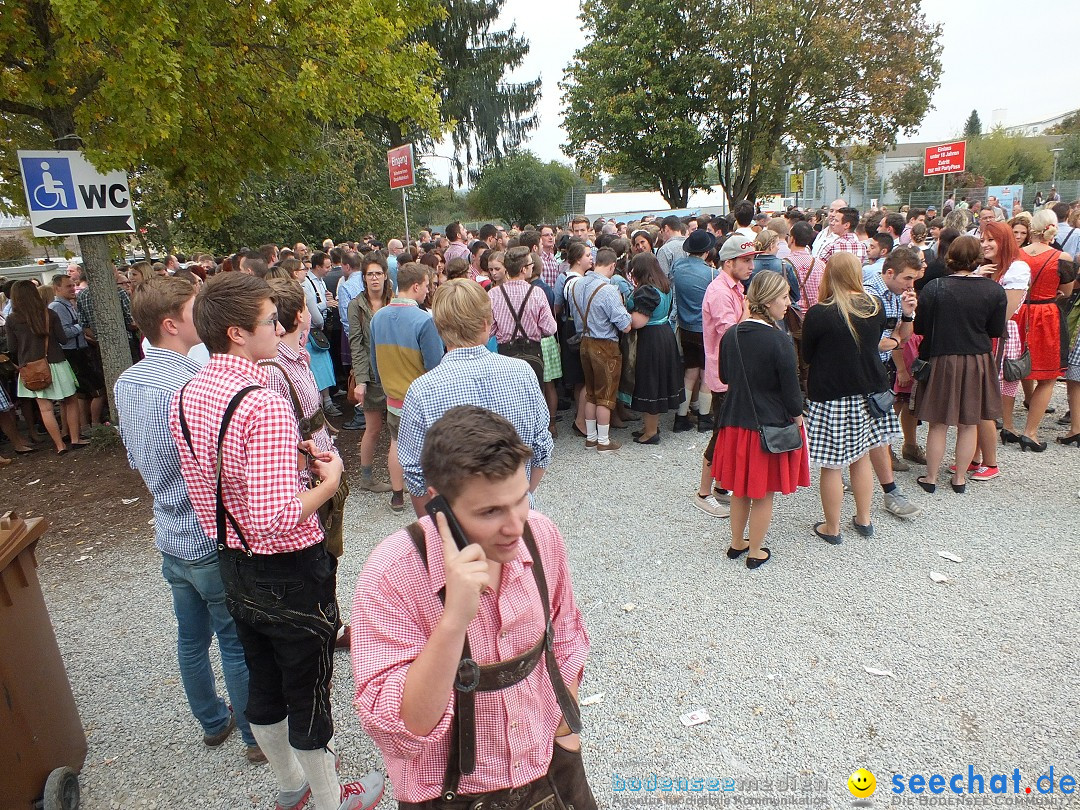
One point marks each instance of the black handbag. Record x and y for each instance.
(920, 369)
(774, 438)
(319, 338)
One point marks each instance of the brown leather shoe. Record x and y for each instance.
(610, 447)
(255, 755)
(914, 453)
(214, 740)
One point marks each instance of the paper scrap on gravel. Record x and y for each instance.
(696, 717)
(592, 699)
(948, 555)
(629, 606)
(128, 501)
(881, 673)
(35, 481)
(938, 578)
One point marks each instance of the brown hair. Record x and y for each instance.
(26, 302)
(646, 269)
(158, 298)
(289, 297)
(965, 254)
(461, 310)
(144, 269)
(227, 300)
(515, 261)
(457, 268)
(291, 266)
(467, 442)
(410, 274)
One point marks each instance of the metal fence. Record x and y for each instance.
(1068, 190)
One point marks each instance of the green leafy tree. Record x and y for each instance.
(206, 91)
(521, 188)
(1069, 126)
(1003, 159)
(791, 73)
(1069, 161)
(910, 180)
(973, 125)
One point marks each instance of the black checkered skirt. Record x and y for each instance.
(841, 431)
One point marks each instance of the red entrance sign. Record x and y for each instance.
(400, 163)
(945, 159)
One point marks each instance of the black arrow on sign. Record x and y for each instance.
(71, 225)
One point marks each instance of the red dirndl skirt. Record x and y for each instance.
(742, 466)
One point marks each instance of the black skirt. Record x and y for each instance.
(658, 381)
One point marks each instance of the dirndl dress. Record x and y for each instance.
(742, 466)
(63, 385)
(841, 431)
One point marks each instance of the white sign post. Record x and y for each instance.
(66, 195)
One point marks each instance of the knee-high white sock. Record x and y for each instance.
(602, 434)
(320, 769)
(590, 429)
(704, 401)
(274, 742)
(684, 409)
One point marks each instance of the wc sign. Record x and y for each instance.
(66, 195)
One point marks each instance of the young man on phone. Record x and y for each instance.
(432, 601)
(241, 456)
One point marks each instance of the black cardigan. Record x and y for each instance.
(771, 371)
(959, 314)
(839, 367)
(25, 346)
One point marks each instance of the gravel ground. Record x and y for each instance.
(985, 666)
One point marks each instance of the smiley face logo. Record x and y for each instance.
(862, 784)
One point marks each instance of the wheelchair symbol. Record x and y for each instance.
(51, 193)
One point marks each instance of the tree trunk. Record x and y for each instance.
(109, 328)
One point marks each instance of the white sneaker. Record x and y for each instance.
(710, 506)
(721, 497)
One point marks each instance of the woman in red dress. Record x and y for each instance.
(1039, 321)
(758, 363)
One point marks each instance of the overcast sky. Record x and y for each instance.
(1020, 41)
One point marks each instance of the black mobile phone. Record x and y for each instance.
(439, 504)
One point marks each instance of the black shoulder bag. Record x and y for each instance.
(774, 439)
(519, 345)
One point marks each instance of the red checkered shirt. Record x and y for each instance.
(261, 479)
(298, 367)
(537, 320)
(395, 611)
(550, 272)
(809, 271)
(848, 243)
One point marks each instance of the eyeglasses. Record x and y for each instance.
(268, 322)
(376, 274)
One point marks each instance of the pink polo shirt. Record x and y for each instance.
(721, 308)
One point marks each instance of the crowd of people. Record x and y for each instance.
(807, 340)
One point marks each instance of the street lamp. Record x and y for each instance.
(1057, 151)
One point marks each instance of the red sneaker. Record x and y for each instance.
(972, 467)
(985, 473)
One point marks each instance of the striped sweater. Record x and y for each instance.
(406, 344)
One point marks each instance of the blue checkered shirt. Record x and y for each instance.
(473, 376)
(143, 395)
(890, 302)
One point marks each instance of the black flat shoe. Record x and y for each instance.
(1027, 443)
(865, 531)
(734, 553)
(1074, 439)
(753, 563)
(1008, 437)
(578, 431)
(959, 489)
(637, 434)
(654, 439)
(831, 539)
(926, 485)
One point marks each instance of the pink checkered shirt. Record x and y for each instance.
(298, 367)
(848, 243)
(395, 611)
(809, 271)
(551, 268)
(721, 309)
(537, 321)
(261, 479)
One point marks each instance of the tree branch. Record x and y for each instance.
(18, 108)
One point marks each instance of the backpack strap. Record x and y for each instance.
(308, 426)
(223, 514)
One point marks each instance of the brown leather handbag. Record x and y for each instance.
(36, 375)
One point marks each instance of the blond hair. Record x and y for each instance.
(1044, 227)
(765, 240)
(765, 287)
(462, 313)
(842, 287)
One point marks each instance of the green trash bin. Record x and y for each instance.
(42, 742)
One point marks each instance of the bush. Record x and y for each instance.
(12, 248)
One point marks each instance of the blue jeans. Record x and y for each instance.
(199, 604)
